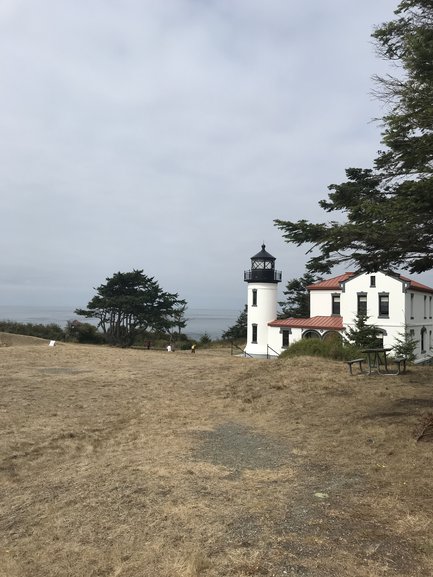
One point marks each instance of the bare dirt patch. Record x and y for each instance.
(133, 463)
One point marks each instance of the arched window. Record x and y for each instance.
(311, 335)
(332, 335)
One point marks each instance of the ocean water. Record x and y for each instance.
(213, 322)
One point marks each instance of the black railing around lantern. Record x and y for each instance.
(262, 275)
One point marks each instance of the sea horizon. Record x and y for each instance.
(210, 321)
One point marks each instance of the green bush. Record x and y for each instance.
(51, 331)
(329, 348)
(79, 332)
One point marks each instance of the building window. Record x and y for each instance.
(411, 305)
(429, 307)
(423, 334)
(384, 305)
(372, 281)
(254, 339)
(285, 339)
(254, 297)
(425, 306)
(362, 304)
(379, 339)
(335, 304)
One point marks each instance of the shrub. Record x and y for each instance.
(329, 348)
(79, 332)
(51, 331)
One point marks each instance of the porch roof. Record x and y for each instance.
(320, 322)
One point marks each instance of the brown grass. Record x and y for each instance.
(141, 463)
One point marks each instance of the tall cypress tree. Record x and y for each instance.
(388, 207)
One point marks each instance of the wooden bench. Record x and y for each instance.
(352, 362)
(399, 361)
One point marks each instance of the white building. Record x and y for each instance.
(392, 302)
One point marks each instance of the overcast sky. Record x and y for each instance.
(167, 135)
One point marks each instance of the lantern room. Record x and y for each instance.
(262, 268)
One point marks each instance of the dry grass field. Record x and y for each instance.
(130, 463)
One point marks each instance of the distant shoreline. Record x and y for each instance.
(213, 322)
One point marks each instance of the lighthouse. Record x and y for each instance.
(262, 281)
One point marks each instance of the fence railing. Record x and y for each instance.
(235, 346)
(268, 348)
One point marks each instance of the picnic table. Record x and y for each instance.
(378, 363)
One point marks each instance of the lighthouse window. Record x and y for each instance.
(254, 297)
(254, 338)
(262, 264)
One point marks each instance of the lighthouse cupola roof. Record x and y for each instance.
(263, 255)
(262, 268)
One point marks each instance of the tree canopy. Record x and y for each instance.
(388, 208)
(130, 304)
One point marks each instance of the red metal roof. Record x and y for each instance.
(334, 283)
(320, 322)
(416, 286)
(330, 283)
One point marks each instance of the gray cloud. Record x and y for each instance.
(168, 135)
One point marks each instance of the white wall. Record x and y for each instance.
(394, 323)
(321, 302)
(419, 316)
(275, 338)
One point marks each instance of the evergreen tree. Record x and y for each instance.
(388, 208)
(363, 335)
(297, 303)
(239, 329)
(405, 346)
(129, 304)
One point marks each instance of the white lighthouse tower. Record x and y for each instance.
(262, 282)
